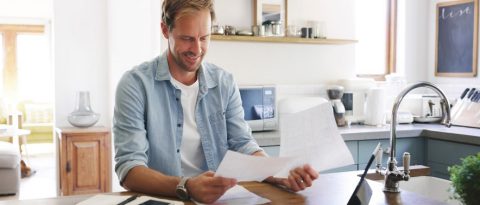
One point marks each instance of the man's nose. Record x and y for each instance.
(196, 47)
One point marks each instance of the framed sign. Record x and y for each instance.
(456, 39)
(269, 10)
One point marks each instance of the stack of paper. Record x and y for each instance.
(310, 135)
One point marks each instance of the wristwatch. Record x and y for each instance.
(181, 190)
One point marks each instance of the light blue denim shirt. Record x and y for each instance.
(148, 119)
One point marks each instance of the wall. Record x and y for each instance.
(26, 9)
(258, 63)
(80, 52)
(458, 83)
(117, 34)
(133, 37)
(412, 36)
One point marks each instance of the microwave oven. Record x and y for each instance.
(259, 107)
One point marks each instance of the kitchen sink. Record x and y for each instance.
(428, 186)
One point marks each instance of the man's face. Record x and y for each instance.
(188, 40)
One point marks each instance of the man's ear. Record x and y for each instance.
(164, 30)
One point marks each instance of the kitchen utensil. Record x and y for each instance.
(218, 30)
(244, 33)
(335, 94)
(459, 102)
(468, 116)
(464, 105)
(230, 30)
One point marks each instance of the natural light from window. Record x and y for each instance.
(35, 78)
(371, 30)
(2, 63)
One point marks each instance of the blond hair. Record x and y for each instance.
(174, 9)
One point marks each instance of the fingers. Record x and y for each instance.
(222, 181)
(207, 188)
(301, 177)
(312, 172)
(293, 184)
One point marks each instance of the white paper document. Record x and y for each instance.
(309, 133)
(105, 199)
(238, 195)
(244, 167)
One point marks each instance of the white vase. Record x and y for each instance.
(83, 115)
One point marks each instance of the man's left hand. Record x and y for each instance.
(299, 178)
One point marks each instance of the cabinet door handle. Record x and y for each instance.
(69, 168)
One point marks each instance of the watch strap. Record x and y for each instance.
(182, 186)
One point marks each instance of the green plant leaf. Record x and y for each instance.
(465, 179)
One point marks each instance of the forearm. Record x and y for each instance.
(144, 180)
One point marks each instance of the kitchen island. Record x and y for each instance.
(433, 145)
(334, 188)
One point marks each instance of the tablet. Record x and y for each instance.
(354, 200)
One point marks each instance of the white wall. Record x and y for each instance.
(133, 37)
(280, 63)
(117, 34)
(412, 40)
(95, 43)
(460, 82)
(16, 9)
(80, 52)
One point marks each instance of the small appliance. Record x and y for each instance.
(259, 106)
(354, 98)
(335, 94)
(375, 107)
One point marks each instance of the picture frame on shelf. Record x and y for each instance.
(456, 44)
(273, 10)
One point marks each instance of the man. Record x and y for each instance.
(175, 117)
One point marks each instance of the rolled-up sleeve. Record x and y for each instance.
(130, 140)
(239, 133)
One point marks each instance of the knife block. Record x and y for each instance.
(468, 117)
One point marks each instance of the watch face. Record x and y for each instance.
(182, 193)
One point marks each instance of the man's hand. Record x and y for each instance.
(299, 178)
(206, 188)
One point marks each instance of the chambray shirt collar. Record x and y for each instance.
(163, 73)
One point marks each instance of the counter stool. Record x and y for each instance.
(9, 169)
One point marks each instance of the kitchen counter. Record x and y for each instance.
(335, 188)
(364, 132)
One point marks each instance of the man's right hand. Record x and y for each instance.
(206, 188)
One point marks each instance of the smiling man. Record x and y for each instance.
(176, 116)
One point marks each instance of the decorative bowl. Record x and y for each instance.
(83, 119)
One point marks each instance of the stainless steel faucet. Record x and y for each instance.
(391, 173)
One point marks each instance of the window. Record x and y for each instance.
(2, 56)
(375, 27)
(26, 72)
(34, 74)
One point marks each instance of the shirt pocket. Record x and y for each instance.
(219, 126)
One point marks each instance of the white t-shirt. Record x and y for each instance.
(191, 152)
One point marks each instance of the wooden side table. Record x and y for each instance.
(84, 160)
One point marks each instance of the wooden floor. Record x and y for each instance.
(43, 183)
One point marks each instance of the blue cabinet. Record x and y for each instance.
(437, 154)
(442, 154)
(353, 147)
(274, 151)
(414, 145)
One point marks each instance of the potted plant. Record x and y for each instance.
(466, 180)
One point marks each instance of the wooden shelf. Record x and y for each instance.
(282, 40)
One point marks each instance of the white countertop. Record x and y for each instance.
(364, 132)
